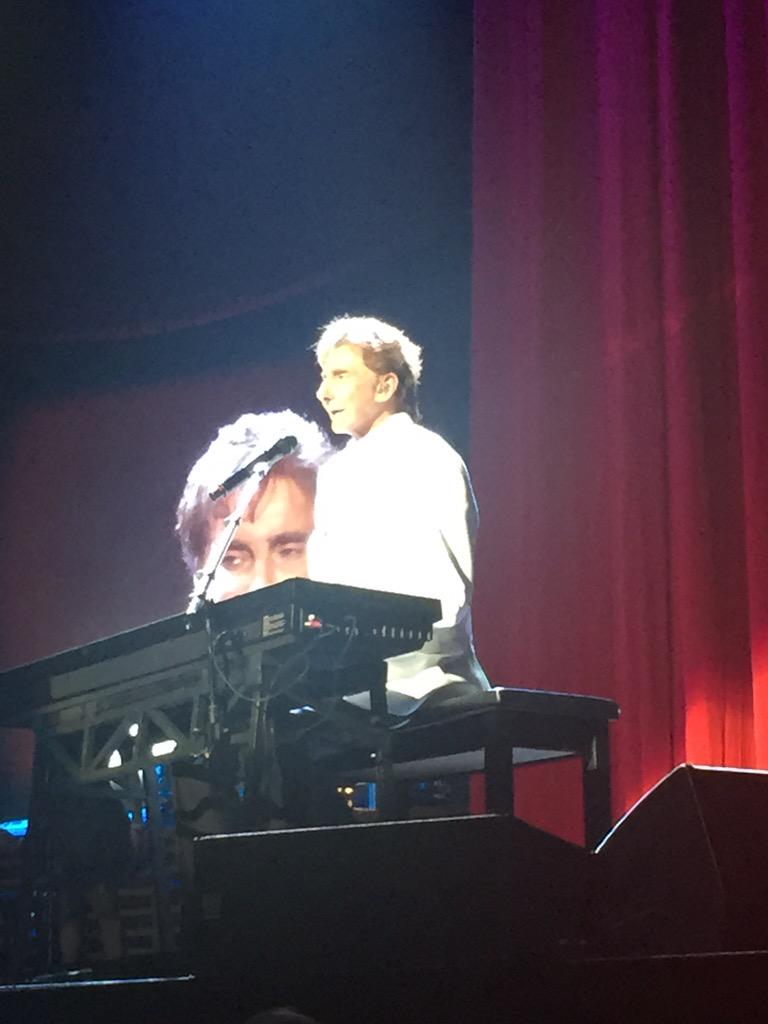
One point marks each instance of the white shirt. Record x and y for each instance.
(395, 511)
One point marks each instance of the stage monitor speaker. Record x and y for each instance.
(427, 894)
(686, 869)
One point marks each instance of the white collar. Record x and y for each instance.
(397, 421)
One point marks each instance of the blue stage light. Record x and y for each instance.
(16, 826)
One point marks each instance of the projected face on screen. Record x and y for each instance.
(270, 543)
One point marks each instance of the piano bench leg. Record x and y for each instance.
(597, 790)
(499, 777)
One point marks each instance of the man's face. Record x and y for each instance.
(270, 544)
(351, 393)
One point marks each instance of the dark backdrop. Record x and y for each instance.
(196, 188)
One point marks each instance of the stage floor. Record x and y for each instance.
(716, 988)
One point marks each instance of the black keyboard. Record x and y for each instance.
(335, 626)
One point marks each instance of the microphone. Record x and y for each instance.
(279, 450)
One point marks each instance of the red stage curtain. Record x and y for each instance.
(620, 369)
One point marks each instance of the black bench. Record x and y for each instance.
(495, 730)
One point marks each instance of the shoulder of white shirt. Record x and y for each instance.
(430, 445)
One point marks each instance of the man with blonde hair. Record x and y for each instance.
(394, 510)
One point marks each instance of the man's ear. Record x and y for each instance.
(386, 387)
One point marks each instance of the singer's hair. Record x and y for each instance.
(233, 447)
(385, 349)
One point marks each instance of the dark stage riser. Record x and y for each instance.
(431, 895)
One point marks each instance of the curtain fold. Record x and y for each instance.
(620, 367)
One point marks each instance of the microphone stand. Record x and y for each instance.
(204, 578)
(255, 470)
